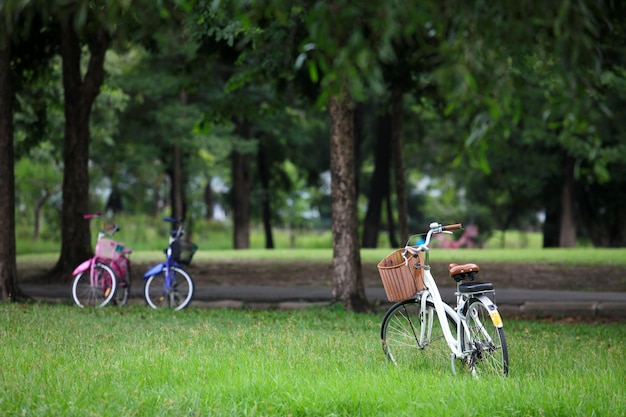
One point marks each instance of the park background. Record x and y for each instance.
(366, 121)
(359, 122)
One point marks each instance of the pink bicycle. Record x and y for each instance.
(104, 278)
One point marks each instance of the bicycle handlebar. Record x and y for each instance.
(109, 230)
(434, 228)
(179, 232)
(172, 220)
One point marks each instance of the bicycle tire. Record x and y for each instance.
(177, 297)
(123, 288)
(400, 336)
(490, 352)
(99, 294)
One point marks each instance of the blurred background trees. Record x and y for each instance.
(505, 116)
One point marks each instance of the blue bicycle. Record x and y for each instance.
(168, 285)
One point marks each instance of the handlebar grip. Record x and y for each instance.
(456, 226)
(91, 216)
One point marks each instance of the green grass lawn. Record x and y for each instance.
(580, 256)
(63, 361)
(148, 237)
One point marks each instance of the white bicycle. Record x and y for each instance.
(423, 331)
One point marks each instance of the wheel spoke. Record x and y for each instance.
(177, 296)
(96, 291)
(489, 351)
(412, 340)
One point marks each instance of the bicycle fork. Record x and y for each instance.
(93, 278)
(169, 286)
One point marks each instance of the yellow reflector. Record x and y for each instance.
(495, 318)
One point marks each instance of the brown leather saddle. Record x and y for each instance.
(467, 272)
(461, 272)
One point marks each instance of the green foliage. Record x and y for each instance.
(38, 114)
(38, 186)
(496, 96)
(320, 361)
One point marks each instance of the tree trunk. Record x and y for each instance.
(177, 191)
(391, 225)
(158, 201)
(551, 224)
(37, 212)
(567, 235)
(8, 268)
(357, 126)
(398, 163)
(266, 208)
(176, 183)
(208, 200)
(599, 206)
(114, 202)
(79, 95)
(348, 287)
(550, 229)
(242, 185)
(379, 183)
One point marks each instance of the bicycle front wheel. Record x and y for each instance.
(489, 352)
(95, 290)
(414, 338)
(176, 295)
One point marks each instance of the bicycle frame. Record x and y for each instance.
(431, 293)
(169, 262)
(456, 343)
(164, 266)
(168, 284)
(89, 264)
(119, 265)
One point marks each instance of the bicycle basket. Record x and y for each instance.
(183, 251)
(109, 249)
(400, 281)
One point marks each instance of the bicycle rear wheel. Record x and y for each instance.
(411, 338)
(123, 289)
(177, 296)
(489, 350)
(97, 293)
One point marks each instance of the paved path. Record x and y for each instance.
(511, 301)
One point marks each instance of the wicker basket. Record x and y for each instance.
(109, 249)
(401, 282)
